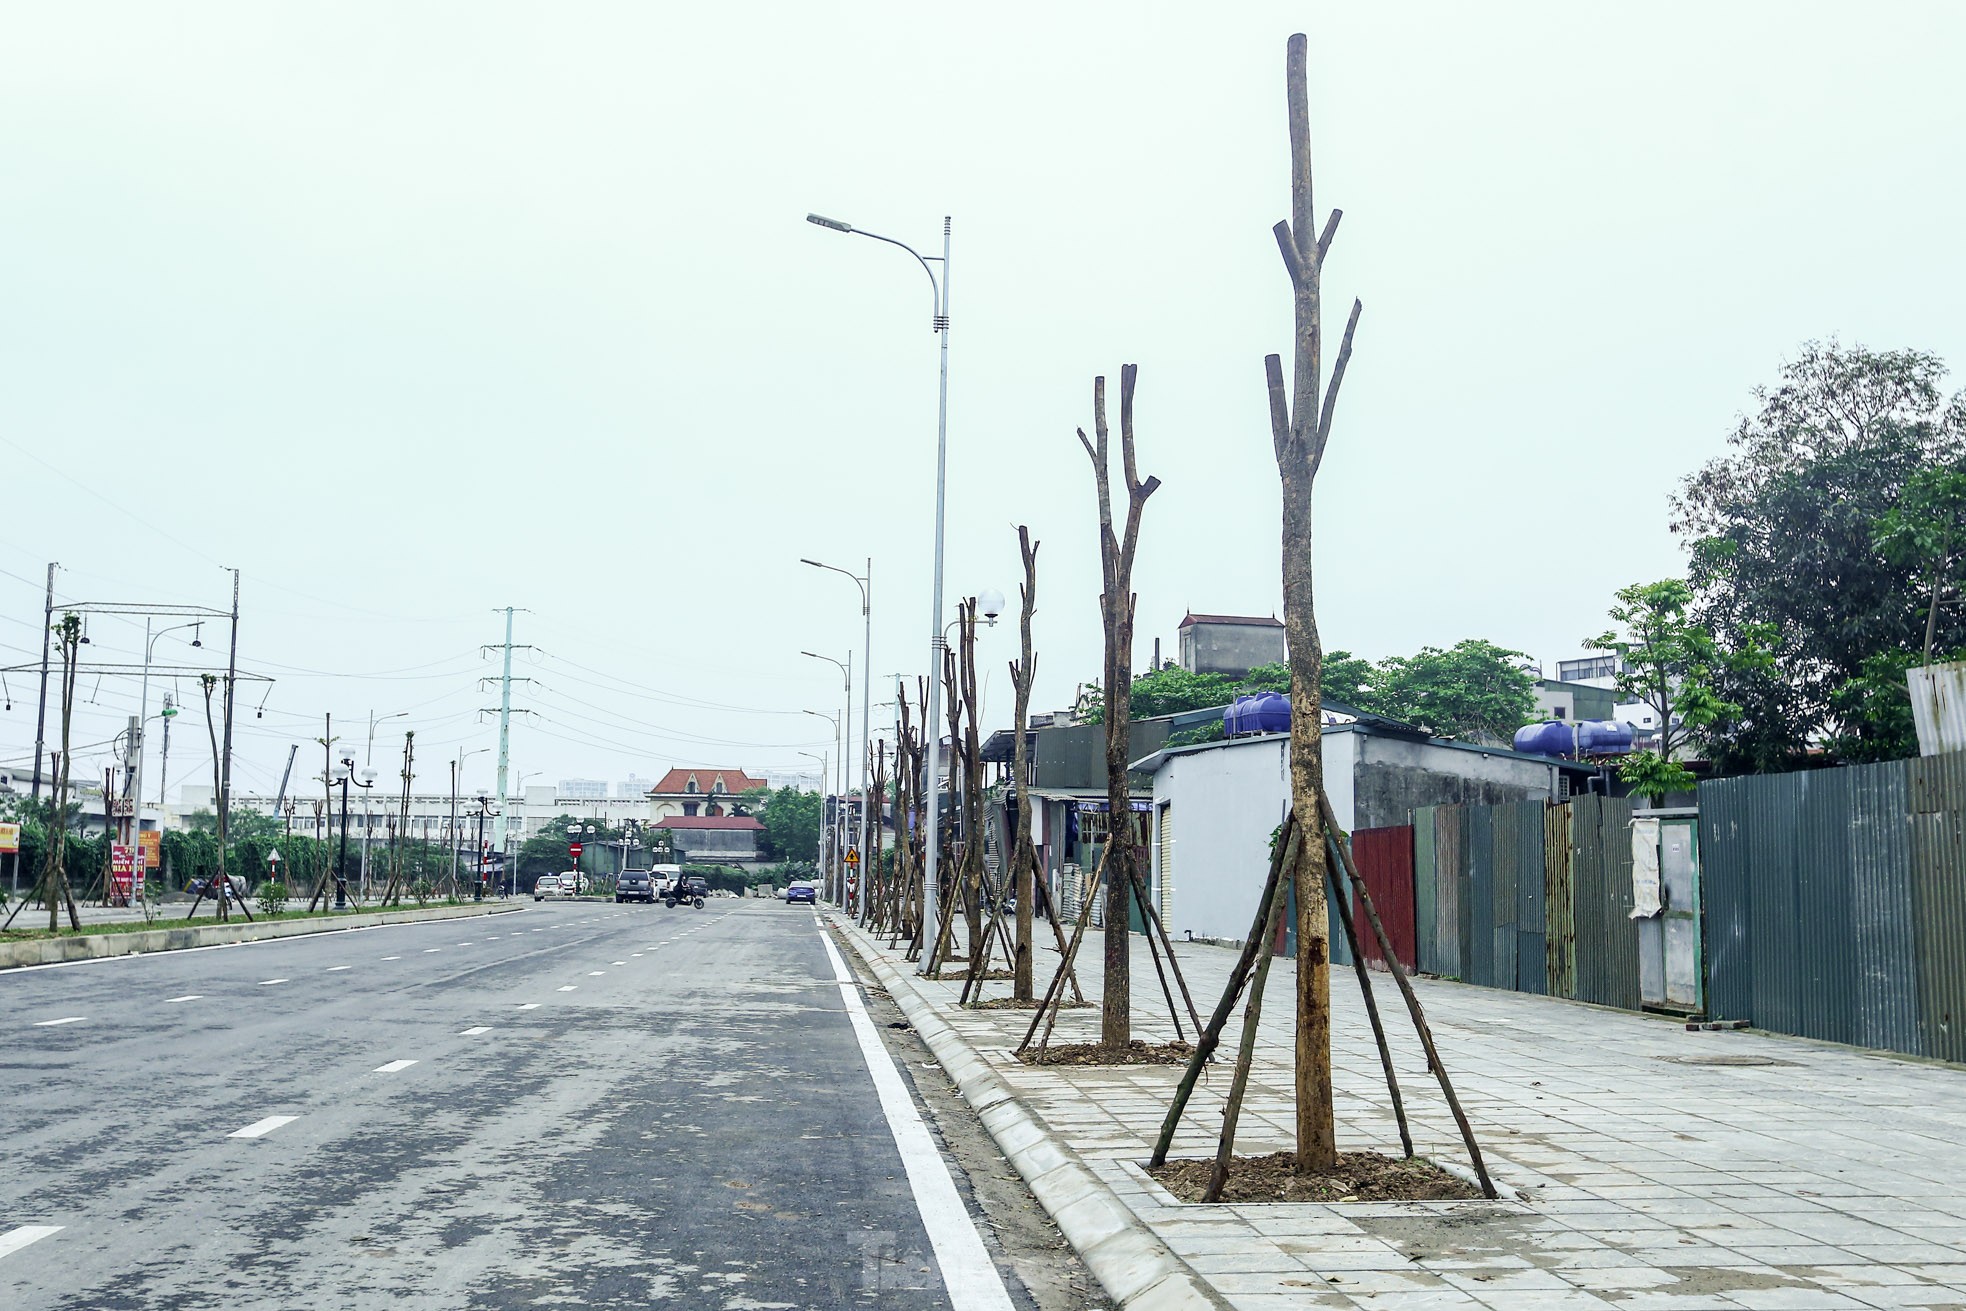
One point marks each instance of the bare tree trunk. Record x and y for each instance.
(1023, 854)
(1116, 611)
(1300, 424)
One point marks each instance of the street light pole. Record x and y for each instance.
(865, 582)
(940, 286)
(830, 856)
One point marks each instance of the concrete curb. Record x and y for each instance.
(104, 946)
(1134, 1267)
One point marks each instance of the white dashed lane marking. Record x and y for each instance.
(261, 1128)
(595, 974)
(267, 983)
(393, 1066)
(333, 968)
(15, 1239)
(428, 950)
(66, 1019)
(189, 996)
(570, 987)
(529, 1006)
(392, 958)
(475, 1030)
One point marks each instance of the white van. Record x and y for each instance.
(665, 877)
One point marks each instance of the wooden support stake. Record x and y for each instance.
(1225, 1148)
(1283, 861)
(1065, 965)
(1344, 905)
(1412, 1005)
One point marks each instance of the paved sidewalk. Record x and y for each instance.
(1655, 1168)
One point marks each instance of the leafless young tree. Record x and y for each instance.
(1023, 855)
(1116, 612)
(1300, 425)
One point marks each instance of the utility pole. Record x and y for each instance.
(504, 727)
(164, 765)
(41, 715)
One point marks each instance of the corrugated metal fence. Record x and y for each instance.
(1836, 903)
(1528, 897)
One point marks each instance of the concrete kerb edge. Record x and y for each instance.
(108, 946)
(1124, 1254)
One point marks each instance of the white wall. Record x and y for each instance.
(1223, 804)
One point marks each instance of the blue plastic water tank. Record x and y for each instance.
(1567, 738)
(1606, 737)
(1553, 738)
(1261, 712)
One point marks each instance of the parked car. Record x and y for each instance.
(804, 892)
(572, 885)
(635, 885)
(547, 888)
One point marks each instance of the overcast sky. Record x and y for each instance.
(412, 311)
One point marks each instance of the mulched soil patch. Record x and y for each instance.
(1136, 1052)
(1012, 1004)
(1360, 1177)
(989, 976)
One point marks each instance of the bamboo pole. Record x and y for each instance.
(1065, 965)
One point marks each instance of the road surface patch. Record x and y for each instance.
(968, 1273)
(261, 1128)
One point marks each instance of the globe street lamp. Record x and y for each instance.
(940, 288)
(344, 775)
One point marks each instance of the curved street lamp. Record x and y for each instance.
(940, 288)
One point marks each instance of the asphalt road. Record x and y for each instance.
(577, 1104)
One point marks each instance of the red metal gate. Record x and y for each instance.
(1384, 857)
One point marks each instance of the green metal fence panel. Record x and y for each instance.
(1936, 796)
(1826, 902)
(1601, 891)
(1524, 853)
(1450, 892)
(1478, 912)
(1425, 911)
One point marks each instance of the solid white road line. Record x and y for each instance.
(570, 987)
(267, 983)
(189, 996)
(529, 1006)
(14, 1240)
(968, 1274)
(393, 1066)
(261, 1128)
(66, 1019)
(475, 1030)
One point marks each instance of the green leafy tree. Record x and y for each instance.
(1926, 532)
(1669, 663)
(792, 819)
(1347, 679)
(1783, 531)
(1473, 689)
